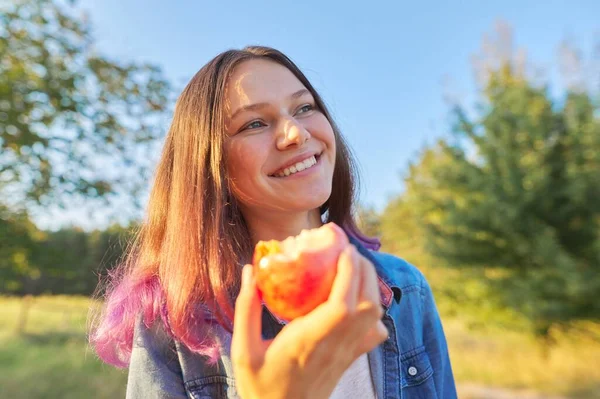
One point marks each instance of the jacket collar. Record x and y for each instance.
(389, 289)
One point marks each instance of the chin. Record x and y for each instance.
(310, 202)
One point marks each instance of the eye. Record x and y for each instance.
(305, 108)
(253, 125)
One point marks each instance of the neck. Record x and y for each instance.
(279, 226)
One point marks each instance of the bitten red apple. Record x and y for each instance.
(295, 275)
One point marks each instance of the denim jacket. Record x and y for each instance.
(412, 363)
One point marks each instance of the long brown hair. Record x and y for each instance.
(194, 238)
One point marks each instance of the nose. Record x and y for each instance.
(291, 133)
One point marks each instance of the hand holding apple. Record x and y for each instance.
(309, 355)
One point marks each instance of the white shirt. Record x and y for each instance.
(356, 381)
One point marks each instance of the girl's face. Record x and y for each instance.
(280, 148)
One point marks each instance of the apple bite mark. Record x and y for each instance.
(265, 248)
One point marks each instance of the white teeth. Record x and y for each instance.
(298, 167)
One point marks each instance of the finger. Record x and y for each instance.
(374, 332)
(347, 280)
(246, 342)
(367, 316)
(343, 299)
(375, 336)
(369, 309)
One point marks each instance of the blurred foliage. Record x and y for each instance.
(68, 261)
(18, 239)
(73, 124)
(512, 201)
(69, 116)
(368, 221)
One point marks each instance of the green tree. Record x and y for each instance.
(74, 124)
(76, 127)
(514, 198)
(106, 249)
(68, 261)
(19, 241)
(71, 260)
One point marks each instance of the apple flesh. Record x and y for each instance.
(295, 275)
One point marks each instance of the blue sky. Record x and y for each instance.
(382, 67)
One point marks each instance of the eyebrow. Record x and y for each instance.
(257, 106)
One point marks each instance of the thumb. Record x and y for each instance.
(246, 344)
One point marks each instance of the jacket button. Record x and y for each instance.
(412, 371)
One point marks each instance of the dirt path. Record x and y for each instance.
(474, 391)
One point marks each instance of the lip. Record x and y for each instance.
(295, 160)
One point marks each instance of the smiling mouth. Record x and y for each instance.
(297, 167)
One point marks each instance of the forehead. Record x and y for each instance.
(257, 81)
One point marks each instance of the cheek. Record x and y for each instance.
(321, 129)
(244, 159)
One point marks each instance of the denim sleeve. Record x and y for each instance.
(154, 369)
(434, 340)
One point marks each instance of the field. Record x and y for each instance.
(50, 359)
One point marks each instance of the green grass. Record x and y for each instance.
(508, 359)
(51, 358)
